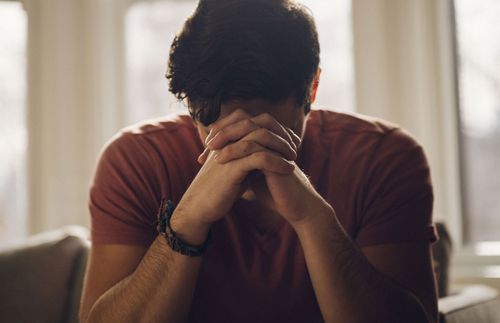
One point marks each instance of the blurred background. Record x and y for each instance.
(73, 72)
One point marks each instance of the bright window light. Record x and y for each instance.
(12, 121)
(478, 23)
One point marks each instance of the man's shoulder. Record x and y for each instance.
(334, 122)
(365, 139)
(161, 130)
(154, 141)
(164, 124)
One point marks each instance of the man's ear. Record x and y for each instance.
(314, 87)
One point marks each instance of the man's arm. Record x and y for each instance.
(386, 283)
(125, 285)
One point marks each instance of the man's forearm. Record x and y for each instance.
(159, 290)
(348, 288)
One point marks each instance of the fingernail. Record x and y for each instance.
(201, 157)
(210, 143)
(208, 136)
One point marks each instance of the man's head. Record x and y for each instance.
(242, 50)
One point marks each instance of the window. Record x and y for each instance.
(333, 21)
(477, 28)
(150, 29)
(13, 134)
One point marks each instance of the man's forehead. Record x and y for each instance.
(252, 107)
(284, 111)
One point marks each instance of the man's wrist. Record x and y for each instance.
(310, 223)
(188, 229)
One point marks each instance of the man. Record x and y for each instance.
(283, 214)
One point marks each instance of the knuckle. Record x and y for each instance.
(267, 117)
(215, 128)
(240, 112)
(221, 155)
(246, 146)
(247, 123)
(227, 152)
(222, 134)
(262, 132)
(263, 157)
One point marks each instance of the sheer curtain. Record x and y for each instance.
(13, 142)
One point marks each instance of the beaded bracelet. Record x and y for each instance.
(165, 212)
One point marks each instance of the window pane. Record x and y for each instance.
(12, 121)
(333, 21)
(478, 23)
(151, 26)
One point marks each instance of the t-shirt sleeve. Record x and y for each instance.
(398, 197)
(124, 194)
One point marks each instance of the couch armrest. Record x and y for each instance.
(472, 303)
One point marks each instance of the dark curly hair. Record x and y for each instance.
(242, 50)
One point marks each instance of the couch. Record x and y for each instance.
(41, 278)
(41, 281)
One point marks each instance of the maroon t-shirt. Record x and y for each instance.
(373, 173)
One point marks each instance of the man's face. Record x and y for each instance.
(288, 113)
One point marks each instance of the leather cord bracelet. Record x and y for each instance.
(165, 212)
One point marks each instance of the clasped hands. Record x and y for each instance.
(240, 145)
